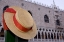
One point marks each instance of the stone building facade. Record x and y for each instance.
(48, 19)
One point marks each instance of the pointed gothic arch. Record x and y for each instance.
(46, 18)
(58, 22)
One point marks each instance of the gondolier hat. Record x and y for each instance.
(20, 22)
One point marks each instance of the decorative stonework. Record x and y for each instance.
(41, 4)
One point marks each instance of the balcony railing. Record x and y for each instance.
(45, 35)
(48, 36)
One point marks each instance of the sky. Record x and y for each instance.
(59, 3)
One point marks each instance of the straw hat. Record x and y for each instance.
(20, 22)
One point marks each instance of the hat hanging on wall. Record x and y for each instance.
(20, 22)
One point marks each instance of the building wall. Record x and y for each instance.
(37, 11)
(38, 14)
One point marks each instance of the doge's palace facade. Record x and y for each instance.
(49, 20)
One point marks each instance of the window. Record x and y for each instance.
(5, 8)
(30, 12)
(57, 22)
(46, 19)
(56, 11)
(22, 4)
(49, 11)
(38, 8)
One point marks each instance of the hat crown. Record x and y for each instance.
(24, 18)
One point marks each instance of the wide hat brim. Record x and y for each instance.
(8, 17)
